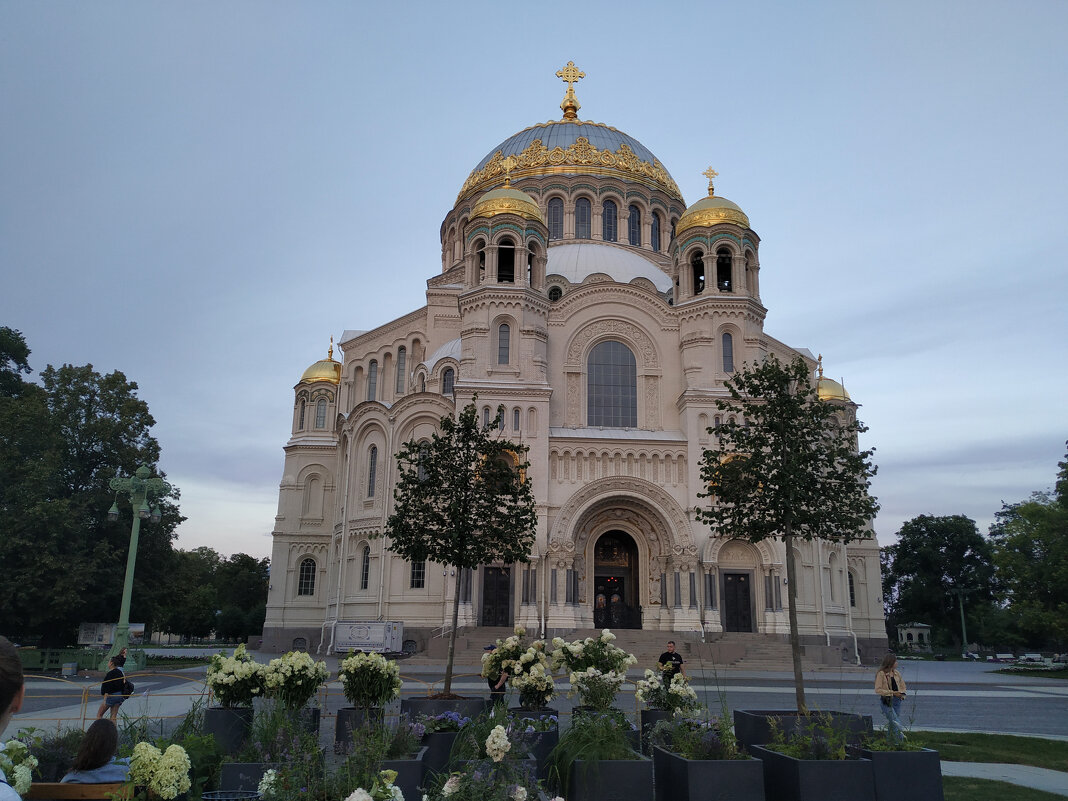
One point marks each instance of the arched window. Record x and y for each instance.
(555, 293)
(654, 234)
(612, 386)
(583, 215)
(723, 270)
(728, 353)
(306, 577)
(320, 413)
(673, 221)
(556, 218)
(303, 408)
(365, 567)
(634, 226)
(422, 382)
(506, 262)
(480, 254)
(448, 378)
(608, 221)
(372, 470)
(372, 380)
(424, 454)
(504, 335)
(852, 592)
(402, 360)
(697, 267)
(485, 417)
(515, 419)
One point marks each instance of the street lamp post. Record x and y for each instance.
(139, 487)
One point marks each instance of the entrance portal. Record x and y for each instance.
(496, 596)
(615, 582)
(737, 602)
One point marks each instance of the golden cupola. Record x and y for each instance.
(711, 210)
(828, 389)
(507, 200)
(324, 370)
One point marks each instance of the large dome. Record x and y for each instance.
(571, 147)
(577, 261)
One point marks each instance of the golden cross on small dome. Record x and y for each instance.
(819, 366)
(710, 174)
(509, 163)
(330, 353)
(569, 75)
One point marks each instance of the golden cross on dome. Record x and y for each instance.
(710, 174)
(569, 75)
(330, 353)
(509, 163)
(819, 366)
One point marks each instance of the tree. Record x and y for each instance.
(62, 442)
(14, 361)
(1030, 541)
(787, 467)
(463, 500)
(935, 562)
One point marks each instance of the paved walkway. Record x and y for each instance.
(1052, 781)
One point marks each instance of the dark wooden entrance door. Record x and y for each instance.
(496, 596)
(737, 606)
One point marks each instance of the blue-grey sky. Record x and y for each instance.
(200, 193)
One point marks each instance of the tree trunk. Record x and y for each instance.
(795, 637)
(452, 634)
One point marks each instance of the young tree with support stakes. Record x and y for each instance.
(462, 500)
(788, 466)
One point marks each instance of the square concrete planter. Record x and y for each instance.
(229, 725)
(409, 773)
(468, 707)
(753, 727)
(438, 747)
(243, 775)
(350, 718)
(915, 775)
(611, 780)
(789, 779)
(649, 718)
(681, 779)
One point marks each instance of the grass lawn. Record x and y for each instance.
(961, 788)
(1008, 748)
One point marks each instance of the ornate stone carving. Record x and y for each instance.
(628, 331)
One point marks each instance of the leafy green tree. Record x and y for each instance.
(787, 467)
(241, 581)
(935, 561)
(463, 499)
(64, 562)
(14, 361)
(1031, 552)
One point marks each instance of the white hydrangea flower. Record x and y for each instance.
(359, 794)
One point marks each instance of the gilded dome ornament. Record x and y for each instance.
(828, 389)
(570, 104)
(711, 210)
(324, 370)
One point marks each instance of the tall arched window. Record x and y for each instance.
(365, 567)
(612, 386)
(306, 577)
(515, 419)
(402, 369)
(608, 221)
(506, 262)
(832, 571)
(372, 380)
(634, 226)
(422, 382)
(673, 221)
(697, 267)
(448, 379)
(723, 270)
(320, 413)
(728, 353)
(583, 215)
(556, 218)
(504, 336)
(303, 408)
(480, 255)
(485, 417)
(852, 591)
(654, 234)
(372, 470)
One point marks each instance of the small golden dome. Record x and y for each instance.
(507, 200)
(711, 210)
(830, 390)
(324, 369)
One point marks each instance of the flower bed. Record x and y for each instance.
(294, 678)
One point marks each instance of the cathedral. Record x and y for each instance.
(581, 293)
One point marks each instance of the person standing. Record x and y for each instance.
(495, 680)
(12, 692)
(671, 663)
(890, 687)
(113, 688)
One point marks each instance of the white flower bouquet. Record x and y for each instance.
(596, 666)
(369, 680)
(383, 789)
(235, 680)
(678, 696)
(527, 668)
(18, 765)
(597, 688)
(294, 678)
(164, 773)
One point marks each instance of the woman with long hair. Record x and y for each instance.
(890, 688)
(96, 763)
(12, 690)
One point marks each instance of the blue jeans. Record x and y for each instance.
(892, 711)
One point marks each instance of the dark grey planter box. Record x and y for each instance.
(915, 775)
(468, 707)
(229, 725)
(438, 747)
(649, 718)
(309, 719)
(409, 773)
(539, 743)
(681, 779)
(789, 779)
(610, 780)
(243, 775)
(528, 766)
(349, 718)
(752, 727)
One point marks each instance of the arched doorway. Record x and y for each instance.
(615, 582)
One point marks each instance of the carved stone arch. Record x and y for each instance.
(716, 544)
(592, 333)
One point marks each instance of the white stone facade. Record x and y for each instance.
(615, 478)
